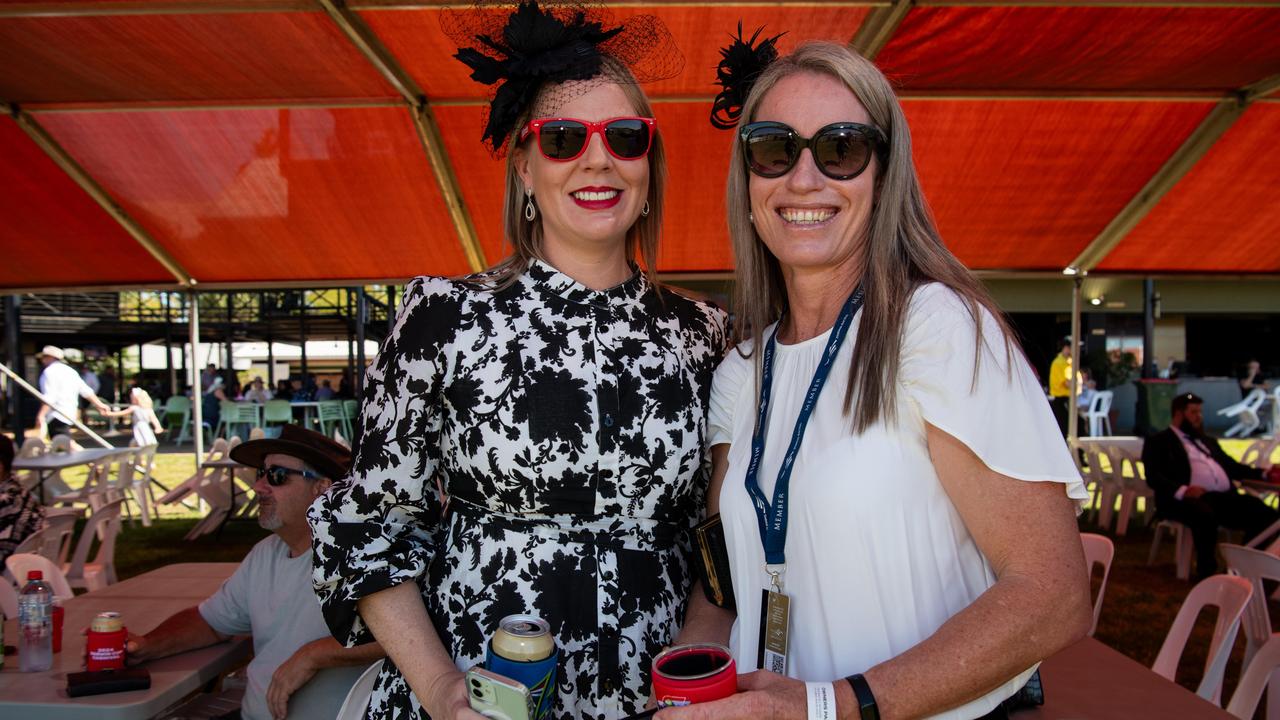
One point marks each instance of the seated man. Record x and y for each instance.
(20, 513)
(294, 671)
(1192, 479)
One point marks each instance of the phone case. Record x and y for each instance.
(498, 697)
(712, 563)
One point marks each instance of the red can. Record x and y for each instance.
(104, 645)
(688, 674)
(59, 614)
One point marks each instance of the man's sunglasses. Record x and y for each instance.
(841, 150)
(277, 475)
(627, 138)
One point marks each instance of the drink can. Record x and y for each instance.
(104, 644)
(59, 615)
(522, 649)
(697, 673)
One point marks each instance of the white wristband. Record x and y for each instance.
(821, 700)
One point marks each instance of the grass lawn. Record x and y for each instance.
(1138, 610)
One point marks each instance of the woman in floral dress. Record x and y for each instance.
(558, 400)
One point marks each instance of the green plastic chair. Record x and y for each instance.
(235, 415)
(350, 411)
(330, 413)
(177, 410)
(276, 412)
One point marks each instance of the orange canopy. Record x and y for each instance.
(152, 142)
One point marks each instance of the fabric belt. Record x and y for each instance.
(607, 532)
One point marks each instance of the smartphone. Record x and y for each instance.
(495, 696)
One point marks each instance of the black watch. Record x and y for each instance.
(867, 709)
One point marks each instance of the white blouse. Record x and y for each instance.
(878, 558)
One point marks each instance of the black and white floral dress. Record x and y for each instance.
(566, 426)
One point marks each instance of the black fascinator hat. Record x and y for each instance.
(520, 50)
(741, 63)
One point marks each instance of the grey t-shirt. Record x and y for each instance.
(270, 597)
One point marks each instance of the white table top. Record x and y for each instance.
(144, 601)
(61, 461)
(223, 463)
(1091, 681)
(1129, 443)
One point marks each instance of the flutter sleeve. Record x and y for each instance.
(376, 528)
(734, 376)
(990, 399)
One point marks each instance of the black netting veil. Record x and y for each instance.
(550, 52)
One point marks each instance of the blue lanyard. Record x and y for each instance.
(772, 517)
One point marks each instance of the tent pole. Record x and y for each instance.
(353, 316)
(1073, 418)
(13, 348)
(362, 315)
(197, 392)
(1149, 364)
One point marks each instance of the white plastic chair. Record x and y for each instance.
(1258, 674)
(357, 700)
(217, 451)
(8, 598)
(101, 571)
(19, 564)
(1230, 594)
(1184, 546)
(1099, 413)
(1246, 413)
(1258, 453)
(143, 495)
(31, 447)
(1109, 482)
(1133, 487)
(215, 489)
(1098, 550)
(56, 536)
(1254, 566)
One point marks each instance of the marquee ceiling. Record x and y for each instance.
(268, 142)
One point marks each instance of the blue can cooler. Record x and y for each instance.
(523, 650)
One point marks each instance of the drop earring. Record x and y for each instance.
(530, 212)
(751, 217)
(645, 210)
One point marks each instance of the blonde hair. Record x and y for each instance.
(526, 237)
(142, 398)
(903, 249)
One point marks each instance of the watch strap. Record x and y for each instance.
(867, 708)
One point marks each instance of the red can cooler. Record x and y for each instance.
(104, 645)
(688, 674)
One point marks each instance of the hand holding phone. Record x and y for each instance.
(498, 697)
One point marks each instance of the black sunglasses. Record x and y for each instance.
(277, 475)
(840, 150)
(626, 138)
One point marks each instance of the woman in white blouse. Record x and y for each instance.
(926, 539)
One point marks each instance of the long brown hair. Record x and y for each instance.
(903, 249)
(526, 237)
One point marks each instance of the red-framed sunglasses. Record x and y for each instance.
(564, 139)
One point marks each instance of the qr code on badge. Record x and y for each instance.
(773, 662)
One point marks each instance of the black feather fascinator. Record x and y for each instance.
(740, 66)
(522, 50)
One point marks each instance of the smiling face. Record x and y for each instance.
(285, 507)
(591, 201)
(807, 220)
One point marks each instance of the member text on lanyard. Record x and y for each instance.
(772, 517)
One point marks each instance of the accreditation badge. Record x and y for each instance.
(775, 616)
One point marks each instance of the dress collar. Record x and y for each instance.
(548, 279)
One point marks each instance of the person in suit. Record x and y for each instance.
(1193, 481)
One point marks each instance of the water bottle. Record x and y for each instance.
(35, 625)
